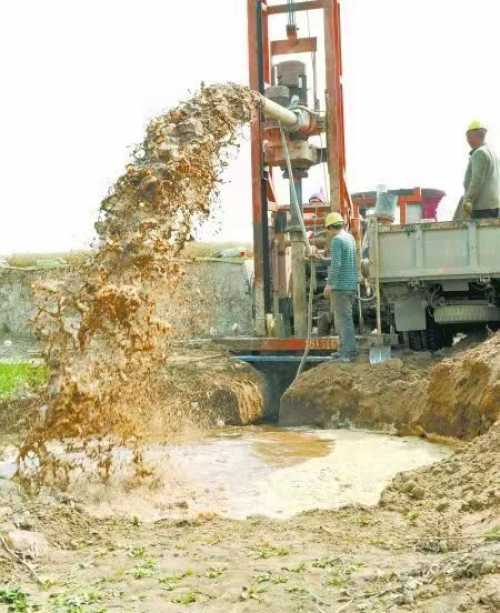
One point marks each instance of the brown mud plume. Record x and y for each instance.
(100, 329)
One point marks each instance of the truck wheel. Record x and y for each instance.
(415, 340)
(435, 338)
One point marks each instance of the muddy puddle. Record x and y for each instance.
(240, 472)
(279, 473)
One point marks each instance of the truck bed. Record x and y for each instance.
(437, 250)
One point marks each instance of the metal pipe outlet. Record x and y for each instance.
(289, 119)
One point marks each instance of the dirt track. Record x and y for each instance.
(358, 559)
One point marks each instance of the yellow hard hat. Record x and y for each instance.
(476, 125)
(334, 219)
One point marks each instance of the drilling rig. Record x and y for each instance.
(300, 127)
(425, 279)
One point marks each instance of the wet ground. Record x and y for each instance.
(259, 470)
(279, 473)
(165, 546)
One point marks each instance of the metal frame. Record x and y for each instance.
(413, 196)
(259, 69)
(278, 345)
(260, 53)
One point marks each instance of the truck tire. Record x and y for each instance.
(415, 340)
(435, 338)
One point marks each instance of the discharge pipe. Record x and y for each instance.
(292, 120)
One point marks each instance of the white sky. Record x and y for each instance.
(81, 78)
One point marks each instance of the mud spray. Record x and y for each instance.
(100, 330)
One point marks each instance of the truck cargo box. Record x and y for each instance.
(437, 251)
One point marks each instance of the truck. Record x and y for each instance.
(435, 278)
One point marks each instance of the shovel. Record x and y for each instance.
(380, 353)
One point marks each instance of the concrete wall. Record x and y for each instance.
(213, 296)
(16, 300)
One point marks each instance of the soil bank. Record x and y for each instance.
(458, 396)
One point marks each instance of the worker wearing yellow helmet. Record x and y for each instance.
(342, 285)
(482, 178)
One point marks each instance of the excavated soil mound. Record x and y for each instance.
(468, 481)
(462, 398)
(376, 396)
(457, 396)
(201, 390)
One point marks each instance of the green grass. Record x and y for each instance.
(194, 249)
(15, 377)
(267, 551)
(493, 534)
(47, 260)
(15, 598)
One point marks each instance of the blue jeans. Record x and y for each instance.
(344, 324)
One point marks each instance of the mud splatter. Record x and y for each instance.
(100, 329)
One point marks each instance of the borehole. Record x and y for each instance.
(278, 377)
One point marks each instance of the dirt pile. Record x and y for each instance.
(468, 481)
(205, 390)
(458, 396)
(215, 391)
(100, 329)
(380, 396)
(462, 398)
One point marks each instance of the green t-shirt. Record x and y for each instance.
(343, 271)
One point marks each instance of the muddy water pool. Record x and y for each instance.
(279, 473)
(257, 470)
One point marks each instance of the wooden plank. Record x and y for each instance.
(299, 45)
(246, 344)
(269, 344)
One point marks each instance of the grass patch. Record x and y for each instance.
(14, 598)
(185, 599)
(76, 603)
(15, 377)
(267, 551)
(47, 260)
(493, 534)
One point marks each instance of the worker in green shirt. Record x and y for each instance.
(342, 285)
(482, 178)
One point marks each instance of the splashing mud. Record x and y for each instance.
(101, 332)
